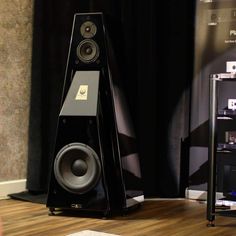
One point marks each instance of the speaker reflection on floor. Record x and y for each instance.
(96, 166)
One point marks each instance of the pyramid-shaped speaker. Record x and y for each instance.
(96, 166)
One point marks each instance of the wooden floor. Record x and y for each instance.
(155, 217)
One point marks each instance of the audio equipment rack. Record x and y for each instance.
(216, 147)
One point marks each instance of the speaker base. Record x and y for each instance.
(79, 213)
(94, 214)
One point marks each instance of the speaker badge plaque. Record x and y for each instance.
(82, 93)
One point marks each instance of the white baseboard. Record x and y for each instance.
(200, 194)
(12, 186)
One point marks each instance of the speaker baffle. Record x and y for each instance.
(77, 168)
(88, 51)
(88, 29)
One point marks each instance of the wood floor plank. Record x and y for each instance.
(154, 218)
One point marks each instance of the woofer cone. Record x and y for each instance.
(87, 51)
(77, 168)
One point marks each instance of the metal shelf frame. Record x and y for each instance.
(215, 79)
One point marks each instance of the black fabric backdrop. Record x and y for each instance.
(158, 49)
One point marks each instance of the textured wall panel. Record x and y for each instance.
(15, 74)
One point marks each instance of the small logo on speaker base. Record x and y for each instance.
(76, 205)
(82, 93)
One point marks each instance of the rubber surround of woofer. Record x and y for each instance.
(77, 168)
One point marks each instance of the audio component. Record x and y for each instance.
(96, 166)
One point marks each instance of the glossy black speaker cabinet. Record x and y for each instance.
(96, 166)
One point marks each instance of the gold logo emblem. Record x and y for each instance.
(82, 93)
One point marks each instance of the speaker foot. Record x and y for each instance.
(210, 224)
(51, 211)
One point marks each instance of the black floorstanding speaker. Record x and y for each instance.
(96, 166)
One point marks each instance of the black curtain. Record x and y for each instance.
(157, 47)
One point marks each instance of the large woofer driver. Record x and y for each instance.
(77, 168)
(87, 51)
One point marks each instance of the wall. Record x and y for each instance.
(15, 74)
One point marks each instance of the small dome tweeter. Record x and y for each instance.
(88, 29)
(87, 51)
